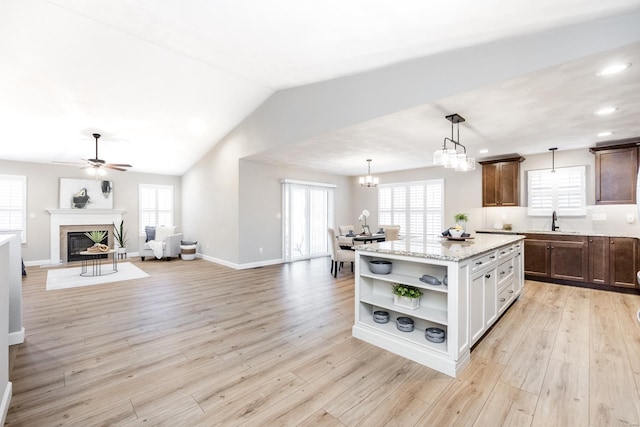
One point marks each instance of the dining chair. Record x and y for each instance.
(391, 232)
(338, 255)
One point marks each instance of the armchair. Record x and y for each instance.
(161, 242)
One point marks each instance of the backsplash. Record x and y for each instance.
(599, 220)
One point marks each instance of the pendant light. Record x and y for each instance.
(449, 157)
(553, 159)
(368, 180)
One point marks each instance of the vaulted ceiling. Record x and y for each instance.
(165, 81)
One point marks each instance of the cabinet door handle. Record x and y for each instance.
(492, 257)
(612, 242)
(479, 262)
(502, 299)
(511, 267)
(511, 292)
(487, 276)
(502, 272)
(502, 253)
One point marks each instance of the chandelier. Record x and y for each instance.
(369, 180)
(449, 157)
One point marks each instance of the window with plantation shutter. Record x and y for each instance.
(563, 191)
(417, 207)
(13, 204)
(155, 204)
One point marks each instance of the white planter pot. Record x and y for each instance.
(406, 302)
(122, 250)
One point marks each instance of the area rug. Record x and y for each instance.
(65, 278)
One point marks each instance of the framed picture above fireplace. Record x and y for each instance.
(85, 194)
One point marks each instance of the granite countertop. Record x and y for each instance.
(559, 232)
(442, 248)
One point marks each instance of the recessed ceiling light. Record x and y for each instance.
(605, 133)
(605, 111)
(614, 68)
(483, 151)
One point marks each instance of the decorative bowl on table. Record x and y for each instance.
(380, 266)
(456, 232)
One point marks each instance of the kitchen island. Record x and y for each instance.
(479, 279)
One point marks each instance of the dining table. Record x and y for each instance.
(369, 238)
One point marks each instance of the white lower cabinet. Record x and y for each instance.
(464, 309)
(483, 302)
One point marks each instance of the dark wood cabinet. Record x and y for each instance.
(616, 172)
(557, 257)
(536, 259)
(597, 260)
(501, 182)
(623, 261)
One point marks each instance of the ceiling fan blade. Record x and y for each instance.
(122, 165)
(69, 163)
(114, 168)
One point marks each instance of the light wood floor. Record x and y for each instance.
(197, 344)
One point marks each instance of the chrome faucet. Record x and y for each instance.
(554, 218)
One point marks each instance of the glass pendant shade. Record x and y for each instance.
(465, 163)
(441, 157)
(451, 161)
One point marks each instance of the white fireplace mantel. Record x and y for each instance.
(62, 217)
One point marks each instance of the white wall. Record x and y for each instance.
(43, 193)
(211, 188)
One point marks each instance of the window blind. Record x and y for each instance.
(155, 204)
(563, 191)
(417, 207)
(13, 204)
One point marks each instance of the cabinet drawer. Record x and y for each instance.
(505, 296)
(505, 273)
(506, 251)
(483, 261)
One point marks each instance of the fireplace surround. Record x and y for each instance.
(77, 220)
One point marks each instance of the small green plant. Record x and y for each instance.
(120, 234)
(406, 291)
(96, 236)
(461, 217)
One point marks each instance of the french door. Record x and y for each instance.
(307, 213)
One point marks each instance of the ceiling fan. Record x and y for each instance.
(96, 165)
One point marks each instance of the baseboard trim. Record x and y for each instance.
(4, 405)
(240, 266)
(16, 337)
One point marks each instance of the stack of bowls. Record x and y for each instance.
(404, 324)
(435, 335)
(380, 316)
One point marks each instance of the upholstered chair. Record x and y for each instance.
(343, 240)
(160, 242)
(338, 255)
(391, 232)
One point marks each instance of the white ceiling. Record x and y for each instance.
(163, 81)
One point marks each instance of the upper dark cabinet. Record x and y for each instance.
(616, 172)
(501, 181)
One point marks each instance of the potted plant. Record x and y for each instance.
(406, 296)
(461, 219)
(120, 236)
(97, 237)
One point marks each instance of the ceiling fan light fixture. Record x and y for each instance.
(605, 133)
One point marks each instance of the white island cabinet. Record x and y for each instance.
(484, 276)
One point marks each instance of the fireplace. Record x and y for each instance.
(65, 221)
(78, 242)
